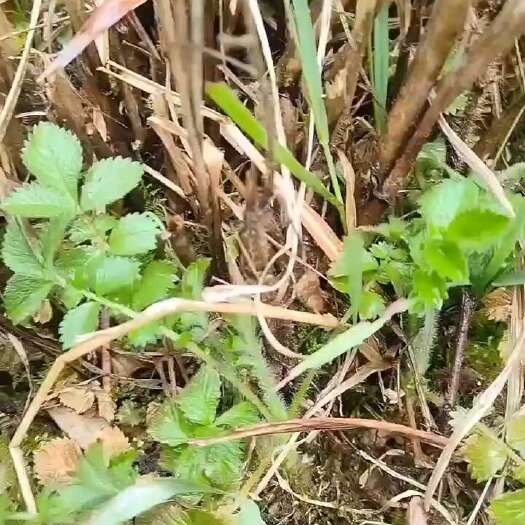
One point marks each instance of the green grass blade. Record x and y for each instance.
(380, 64)
(228, 101)
(312, 77)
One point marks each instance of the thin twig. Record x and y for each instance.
(322, 423)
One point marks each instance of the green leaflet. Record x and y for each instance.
(80, 320)
(200, 398)
(509, 509)
(249, 514)
(17, 254)
(140, 497)
(486, 456)
(23, 296)
(39, 202)
(54, 156)
(157, 281)
(516, 434)
(109, 180)
(134, 234)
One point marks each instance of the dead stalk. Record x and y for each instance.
(497, 40)
(323, 423)
(446, 22)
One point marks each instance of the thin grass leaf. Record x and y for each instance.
(228, 101)
(312, 76)
(380, 62)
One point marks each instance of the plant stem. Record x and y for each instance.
(467, 308)
(229, 375)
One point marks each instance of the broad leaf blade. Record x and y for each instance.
(134, 234)
(168, 425)
(516, 434)
(249, 514)
(242, 414)
(35, 200)
(81, 320)
(199, 399)
(140, 497)
(447, 260)
(17, 254)
(23, 296)
(509, 509)
(114, 273)
(108, 181)
(477, 229)
(485, 456)
(156, 282)
(54, 156)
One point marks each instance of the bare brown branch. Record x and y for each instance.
(446, 22)
(497, 40)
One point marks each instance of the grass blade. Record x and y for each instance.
(312, 76)
(380, 60)
(228, 101)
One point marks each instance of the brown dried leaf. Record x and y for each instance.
(82, 429)
(79, 398)
(309, 292)
(497, 305)
(56, 461)
(106, 405)
(113, 440)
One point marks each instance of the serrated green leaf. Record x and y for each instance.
(444, 201)
(168, 425)
(134, 234)
(228, 101)
(23, 296)
(140, 497)
(39, 202)
(156, 282)
(242, 414)
(88, 228)
(192, 282)
(249, 514)
(516, 434)
(52, 237)
(200, 398)
(81, 320)
(146, 335)
(113, 273)
(509, 509)
(486, 456)
(108, 181)
(54, 156)
(371, 306)
(447, 260)
(429, 289)
(17, 253)
(477, 229)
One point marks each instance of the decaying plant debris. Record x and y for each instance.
(262, 262)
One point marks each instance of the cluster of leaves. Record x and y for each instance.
(63, 244)
(108, 490)
(487, 455)
(193, 415)
(461, 236)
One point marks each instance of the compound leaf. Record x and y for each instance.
(81, 320)
(109, 180)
